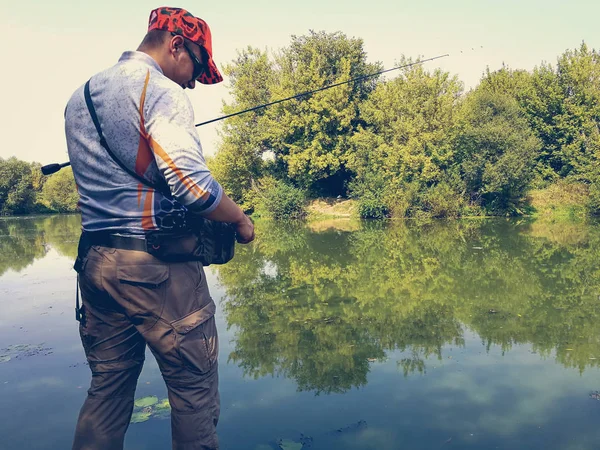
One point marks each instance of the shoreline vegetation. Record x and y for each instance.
(520, 143)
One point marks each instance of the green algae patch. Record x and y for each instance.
(139, 417)
(286, 444)
(146, 401)
(150, 407)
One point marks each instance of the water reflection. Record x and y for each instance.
(320, 307)
(26, 239)
(320, 304)
(331, 309)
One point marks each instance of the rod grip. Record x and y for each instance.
(49, 169)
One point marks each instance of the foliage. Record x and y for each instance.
(405, 136)
(563, 199)
(25, 190)
(371, 206)
(495, 150)
(414, 145)
(17, 195)
(300, 142)
(24, 240)
(150, 407)
(60, 192)
(593, 203)
(443, 200)
(280, 200)
(239, 158)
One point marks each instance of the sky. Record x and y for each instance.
(51, 48)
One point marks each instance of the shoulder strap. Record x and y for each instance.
(163, 188)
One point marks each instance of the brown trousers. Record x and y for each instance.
(131, 299)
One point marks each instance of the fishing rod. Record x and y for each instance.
(52, 168)
(329, 86)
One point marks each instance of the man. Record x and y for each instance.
(130, 297)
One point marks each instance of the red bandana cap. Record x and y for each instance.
(180, 21)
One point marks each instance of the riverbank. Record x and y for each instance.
(560, 201)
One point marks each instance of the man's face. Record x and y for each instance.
(191, 61)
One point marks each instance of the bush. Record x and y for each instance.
(593, 202)
(372, 207)
(442, 200)
(60, 192)
(281, 201)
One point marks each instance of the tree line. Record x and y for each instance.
(25, 190)
(414, 145)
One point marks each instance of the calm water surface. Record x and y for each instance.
(449, 335)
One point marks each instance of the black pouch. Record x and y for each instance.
(208, 241)
(82, 250)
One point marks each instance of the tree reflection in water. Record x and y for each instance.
(26, 239)
(320, 307)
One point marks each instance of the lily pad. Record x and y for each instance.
(4, 358)
(140, 417)
(151, 408)
(163, 404)
(146, 401)
(286, 444)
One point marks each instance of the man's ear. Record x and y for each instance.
(176, 44)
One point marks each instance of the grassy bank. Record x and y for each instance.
(559, 201)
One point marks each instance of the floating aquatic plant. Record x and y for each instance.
(146, 401)
(150, 407)
(287, 444)
(138, 417)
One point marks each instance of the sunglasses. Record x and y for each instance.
(198, 66)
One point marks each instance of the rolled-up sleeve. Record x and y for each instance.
(171, 134)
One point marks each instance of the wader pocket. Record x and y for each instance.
(144, 288)
(145, 275)
(196, 339)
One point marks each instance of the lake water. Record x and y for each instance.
(475, 334)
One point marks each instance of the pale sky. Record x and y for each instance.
(50, 48)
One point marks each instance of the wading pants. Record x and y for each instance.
(131, 299)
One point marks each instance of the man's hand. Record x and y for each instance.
(228, 211)
(244, 230)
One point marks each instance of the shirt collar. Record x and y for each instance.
(140, 57)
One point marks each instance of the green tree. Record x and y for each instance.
(59, 192)
(564, 110)
(404, 147)
(301, 142)
(17, 194)
(310, 137)
(239, 159)
(495, 150)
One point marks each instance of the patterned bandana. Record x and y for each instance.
(180, 21)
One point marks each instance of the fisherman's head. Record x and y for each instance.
(182, 46)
